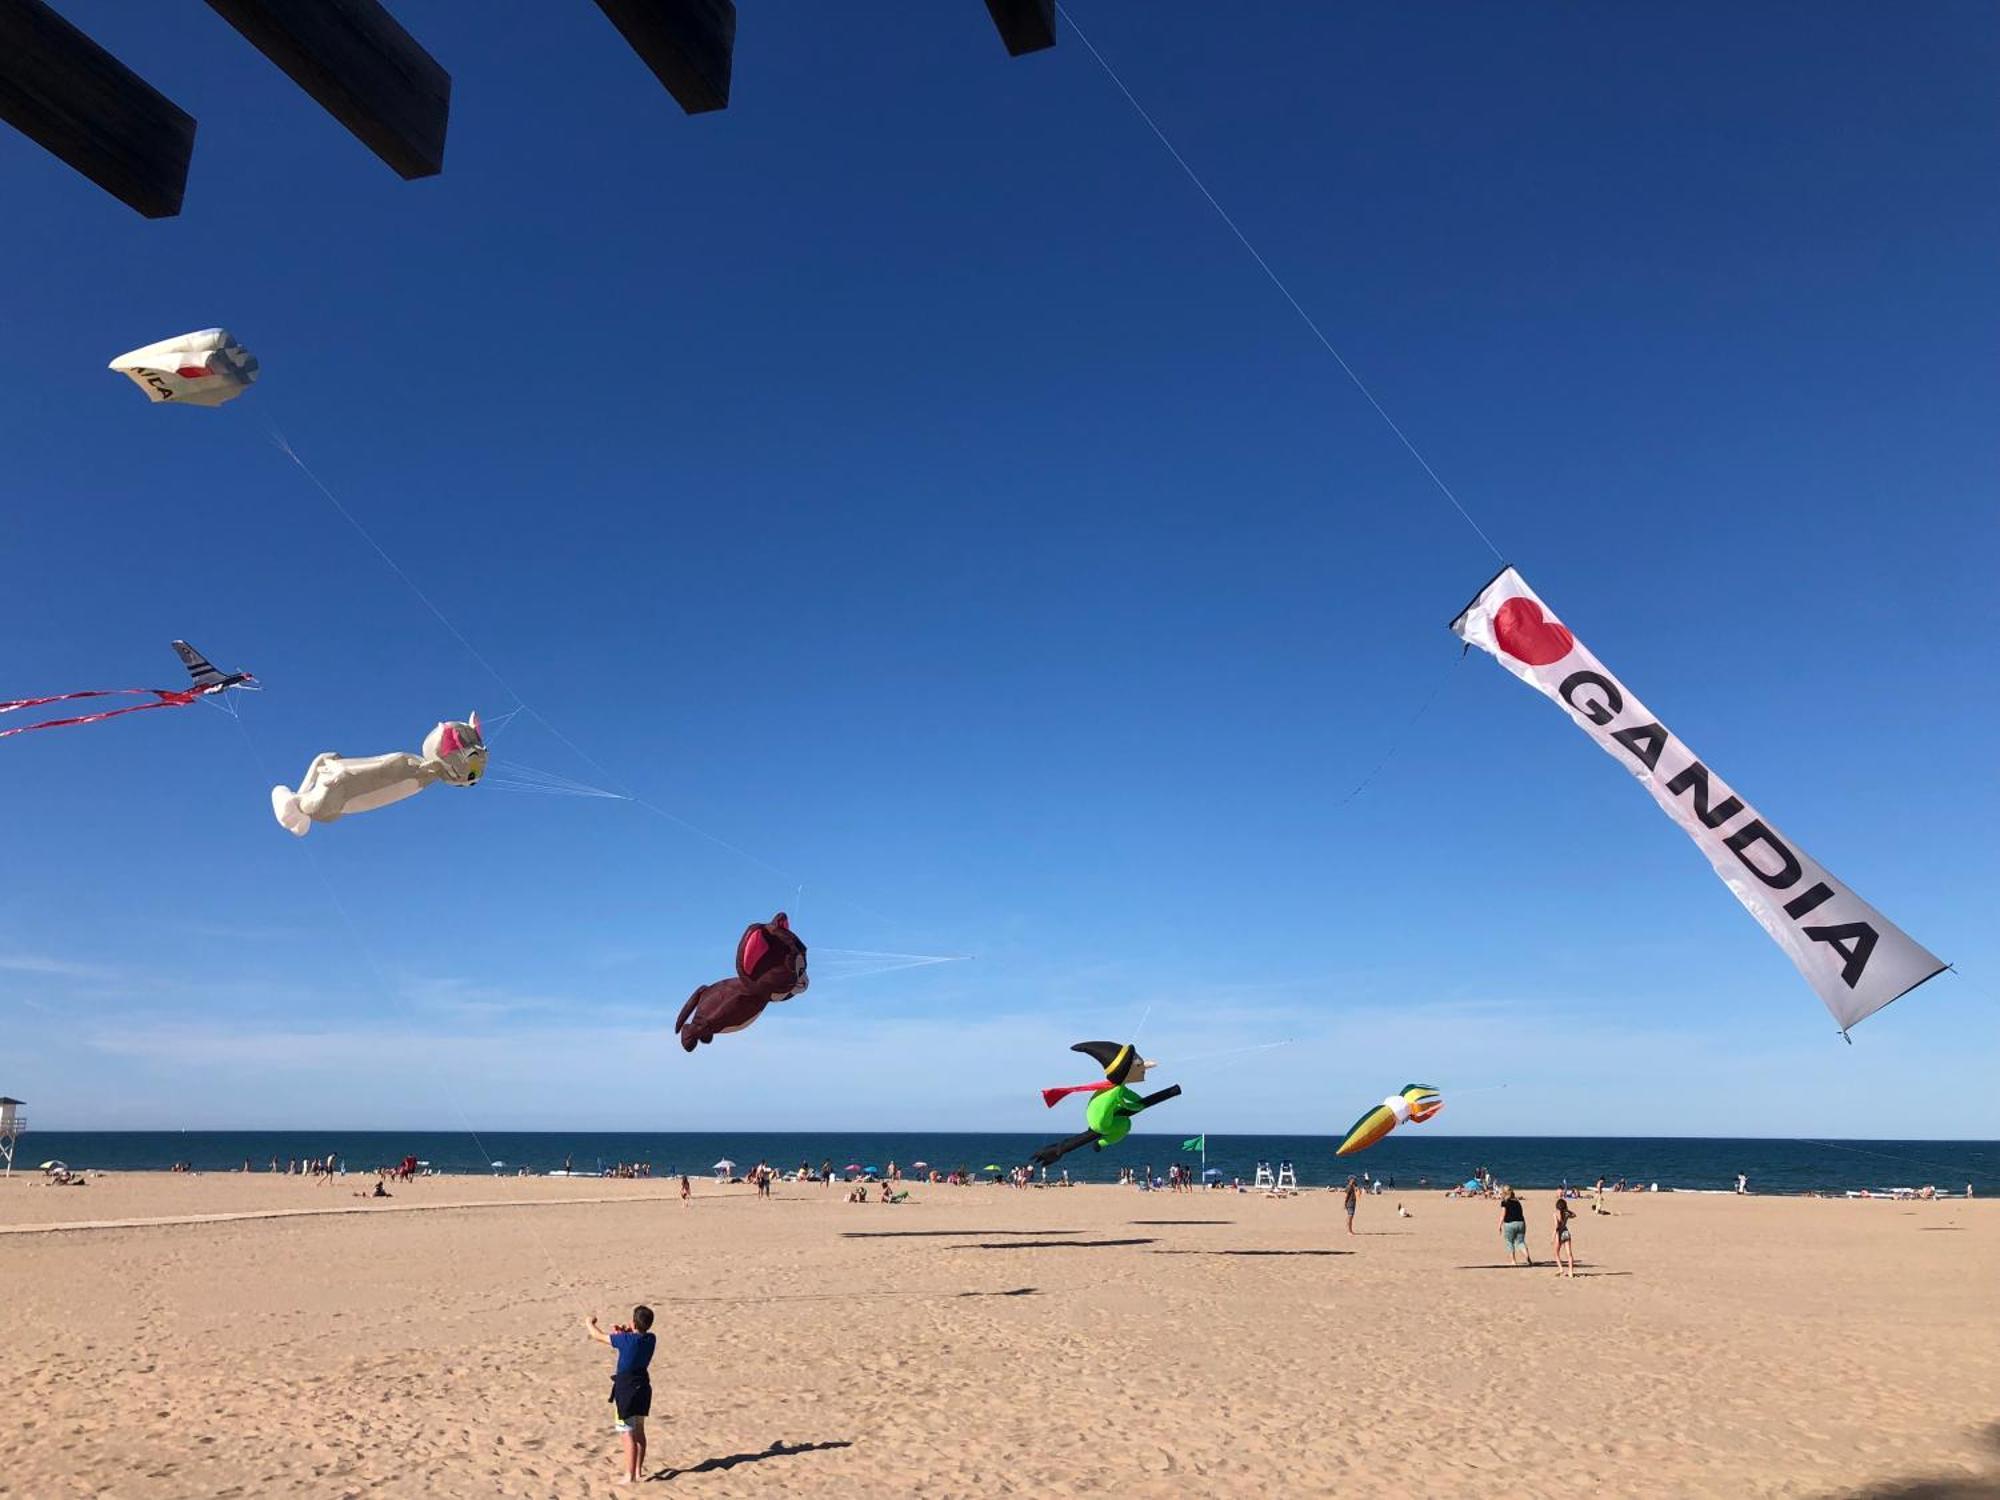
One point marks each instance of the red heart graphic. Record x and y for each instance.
(1523, 633)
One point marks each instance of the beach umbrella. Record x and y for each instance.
(919, 1166)
(1472, 1184)
(51, 1166)
(1212, 1172)
(854, 1166)
(725, 1165)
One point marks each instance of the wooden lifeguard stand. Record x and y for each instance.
(12, 1123)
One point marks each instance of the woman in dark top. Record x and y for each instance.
(1565, 1251)
(1514, 1227)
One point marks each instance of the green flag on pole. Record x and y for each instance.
(1195, 1143)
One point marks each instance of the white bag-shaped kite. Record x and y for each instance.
(196, 369)
(1853, 956)
(336, 785)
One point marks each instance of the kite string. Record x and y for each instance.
(875, 965)
(1202, 1057)
(1395, 747)
(516, 776)
(1277, 281)
(1915, 1161)
(491, 729)
(390, 992)
(522, 705)
(410, 583)
(909, 958)
(1402, 735)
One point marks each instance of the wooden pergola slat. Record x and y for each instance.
(361, 67)
(689, 45)
(81, 104)
(1024, 25)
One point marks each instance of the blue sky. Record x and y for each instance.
(905, 477)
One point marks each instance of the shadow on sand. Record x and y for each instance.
(1171, 1223)
(912, 1293)
(1255, 1252)
(1052, 1244)
(730, 1461)
(1931, 1487)
(941, 1234)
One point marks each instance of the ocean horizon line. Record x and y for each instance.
(926, 1134)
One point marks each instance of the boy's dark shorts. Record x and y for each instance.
(632, 1396)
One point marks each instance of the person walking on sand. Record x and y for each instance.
(631, 1385)
(1352, 1196)
(1565, 1251)
(1514, 1227)
(686, 1191)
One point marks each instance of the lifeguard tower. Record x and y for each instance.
(1287, 1178)
(12, 1123)
(1263, 1178)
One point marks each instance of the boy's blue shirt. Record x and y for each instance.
(635, 1352)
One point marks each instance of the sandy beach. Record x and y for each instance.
(988, 1341)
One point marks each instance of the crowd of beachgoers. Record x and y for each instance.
(1176, 1178)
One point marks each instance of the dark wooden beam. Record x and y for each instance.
(71, 97)
(361, 67)
(1024, 25)
(687, 43)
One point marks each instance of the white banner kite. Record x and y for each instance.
(1856, 958)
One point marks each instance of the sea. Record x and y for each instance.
(1411, 1158)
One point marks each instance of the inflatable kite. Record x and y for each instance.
(770, 966)
(206, 681)
(1414, 1103)
(196, 369)
(337, 785)
(1112, 1106)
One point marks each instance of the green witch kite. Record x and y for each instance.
(1112, 1105)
